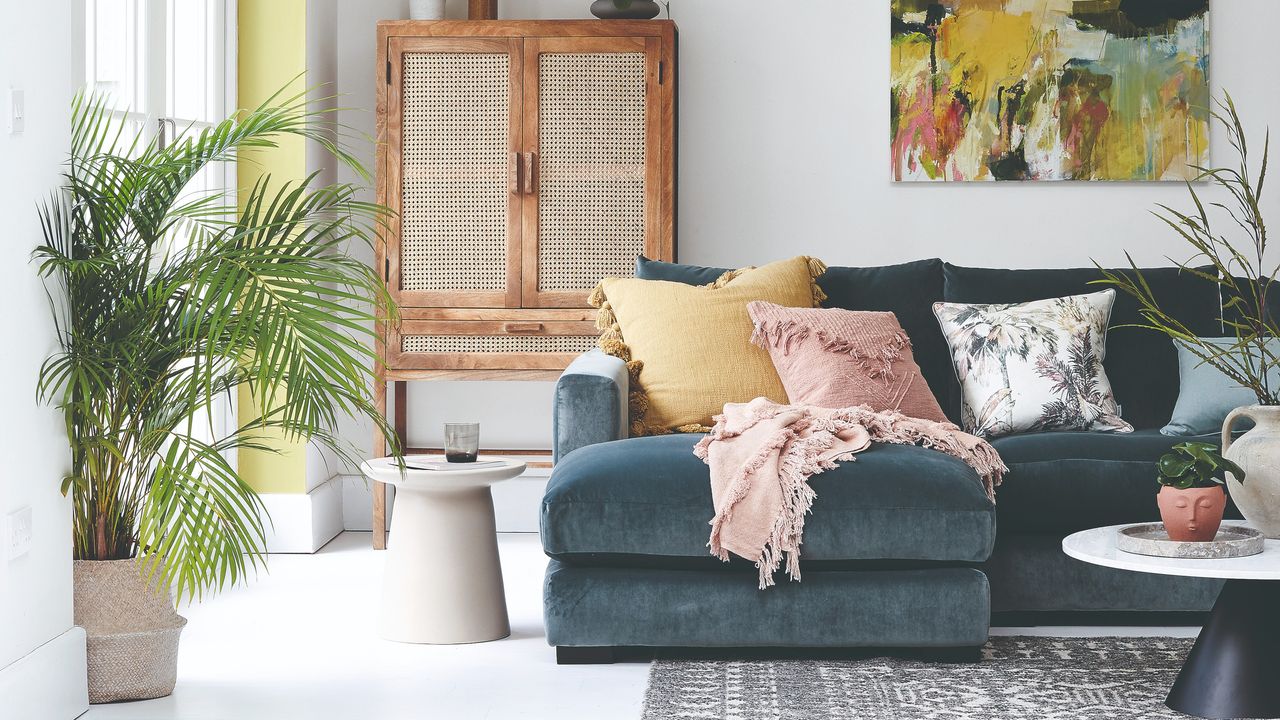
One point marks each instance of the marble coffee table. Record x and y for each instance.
(1232, 669)
(443, 579)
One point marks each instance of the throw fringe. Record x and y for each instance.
(897, 429)
(799, 446)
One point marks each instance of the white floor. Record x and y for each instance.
(300, 642)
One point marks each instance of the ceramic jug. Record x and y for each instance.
(1257, 452)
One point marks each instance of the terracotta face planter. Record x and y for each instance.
(1191, 515)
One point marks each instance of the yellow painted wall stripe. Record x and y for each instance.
(272, 37)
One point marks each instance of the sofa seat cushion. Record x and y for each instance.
(1061, 482)
(650, 498)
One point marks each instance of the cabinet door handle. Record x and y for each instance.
(530, 169)
(527, 327)
(513, 173)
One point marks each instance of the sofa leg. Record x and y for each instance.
(955, 655)
(584, 655)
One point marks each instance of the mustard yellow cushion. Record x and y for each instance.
(688, 348)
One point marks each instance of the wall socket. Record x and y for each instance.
(17, 533)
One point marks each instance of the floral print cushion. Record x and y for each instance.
(1033, 366)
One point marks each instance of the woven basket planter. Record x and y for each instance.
(133, 631)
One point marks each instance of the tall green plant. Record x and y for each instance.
(1240, 267)
(167, 300)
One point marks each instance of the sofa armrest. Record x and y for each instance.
(590, 403)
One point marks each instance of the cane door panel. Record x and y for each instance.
(591, 163)
(453, 130)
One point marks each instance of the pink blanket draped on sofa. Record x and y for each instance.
(762, 454)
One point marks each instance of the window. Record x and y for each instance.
(167, 66)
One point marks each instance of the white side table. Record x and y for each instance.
(1231, 671)
(443, 578)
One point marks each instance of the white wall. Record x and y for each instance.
(784, 127)
(41, 52)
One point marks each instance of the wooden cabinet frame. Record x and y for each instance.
(522, 308)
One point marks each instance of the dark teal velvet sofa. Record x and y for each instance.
(902, 549)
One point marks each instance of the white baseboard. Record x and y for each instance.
(357, 503)
(304, 522)
(516, 503)
(50, 683)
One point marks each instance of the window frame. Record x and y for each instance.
(150, 28)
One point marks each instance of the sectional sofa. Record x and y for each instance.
(903, 549)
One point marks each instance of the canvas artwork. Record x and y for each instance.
(1049, 89)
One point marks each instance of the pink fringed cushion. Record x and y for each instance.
(841, 358)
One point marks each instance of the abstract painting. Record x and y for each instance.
(1031, 90)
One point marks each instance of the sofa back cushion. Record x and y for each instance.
(1141, 364)
(908, 290)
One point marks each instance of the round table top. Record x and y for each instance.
(458, 475)
(1098, 546)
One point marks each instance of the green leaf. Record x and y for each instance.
(1173, 466)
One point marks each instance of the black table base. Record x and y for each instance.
(1233, 670)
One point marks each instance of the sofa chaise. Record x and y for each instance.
(902, 549)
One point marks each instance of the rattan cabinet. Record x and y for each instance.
(524, 160)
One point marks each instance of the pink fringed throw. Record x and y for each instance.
(762, 454)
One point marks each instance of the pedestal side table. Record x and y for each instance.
(443, 580)
(1231, 671)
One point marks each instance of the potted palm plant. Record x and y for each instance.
(1238, 261)
(167, 300)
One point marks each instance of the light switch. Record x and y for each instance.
(17, 111)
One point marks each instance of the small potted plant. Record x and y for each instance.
(1192, 498)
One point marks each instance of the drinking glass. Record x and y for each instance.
(461, 442)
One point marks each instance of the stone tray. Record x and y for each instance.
(1151, 539)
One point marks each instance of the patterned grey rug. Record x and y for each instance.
(1019, 677)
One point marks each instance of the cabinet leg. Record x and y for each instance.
(379, 449)
(401, 424)
(401, 421)
(379, 515)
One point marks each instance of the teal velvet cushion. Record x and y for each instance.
(1271, 306)
(647, 269)
(1141, 364)
(1206, 395)
(907, 290)
(651, 497)
(1061, 482)
(655, 607)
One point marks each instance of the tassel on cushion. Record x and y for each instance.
(877, 358)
